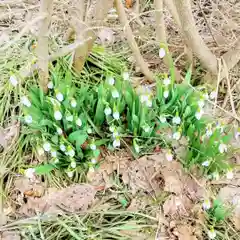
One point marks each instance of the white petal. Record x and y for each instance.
(115, 94)
(47, 146)
(176, 120)
(28, 119)
(213, 95)
(166, 94)
(30, 173)
(169, 156)
(59, 131)
(93, 146)
(62, 147)
(73, 164)
(79, 122)
(73, 103)
(50, 85)
(229, 175)
(206, 163)
(206, 204)
(125, 76)
(70, 174)
(93, 161)
(162, 52)
(166, 81)
(54, 154)
(116, 115)
(25, 101)
(111, 81)
(69, 118)
(13, 80)
(59, 97)
(107, 111)
(162, 119)
(58, 115)
(116, 143)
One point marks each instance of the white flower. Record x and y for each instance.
(205, 163)
(206, 204)
(89, 131)
(116, 115)
(57, 115)
(93, 146)
(125, 76)
(112, 128)
(176, 120)
(93, 161)
(222, 148)
(237, 134)
(50, 85)
(56, 160)
(70, 174)
(213, 95)
(71, 153)
(111, 81)
(30, 173)
(69, 118)
(54, 154)
(212, 234)
(115, 94)
(47, 146)
(40, 151)
(143, 98)
(169, 156)
(176, 135)
(216, 176)
(28, 119)
(229, 174)
(59, 131)
(146, 128)
(13, 80)
(73, 103)
(205, 96)
(25, 101)
(201, 103)
(62, 147)
(149, 102)
(59, 97)
(91, 170)
(166, 82)
(107, 111)
(79, 122)
(162, 52)
(162, 119)
(199, 114)
(136, 147)
(73, 164)
(116, 143)
(115, 133)
(209, 132)
(166, 94)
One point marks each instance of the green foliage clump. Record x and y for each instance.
(74, 119)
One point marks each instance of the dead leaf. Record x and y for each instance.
(10, 235)
(106, 35)
(185, 232)
(129, 3)
(231, 195)
(9, 135)
(75, 198)
(177, 205)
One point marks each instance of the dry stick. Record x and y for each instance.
(131, 41)
(161, 34)
(207, 58)
(218, 82)
(95, 15)
(23, 31)
(229, 87)
(172, 9)
(42, 46)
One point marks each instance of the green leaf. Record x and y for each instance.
(43, 169)
(188, 76)
(99, 116)
(55, 139)
(96, 153)
(78, 136)
(128, 99)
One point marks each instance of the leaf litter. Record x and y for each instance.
(33, 198)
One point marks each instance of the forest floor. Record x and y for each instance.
(148, 198)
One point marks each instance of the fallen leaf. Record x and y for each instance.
(75, 198)
(9, 135)
(129, 3)
(185, 232)
(106, 35)
(10, 235)
(177, 205)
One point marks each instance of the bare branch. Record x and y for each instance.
(172, 9)
(207, 58)
(131, 41)
(42, 46)
(95, 15)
